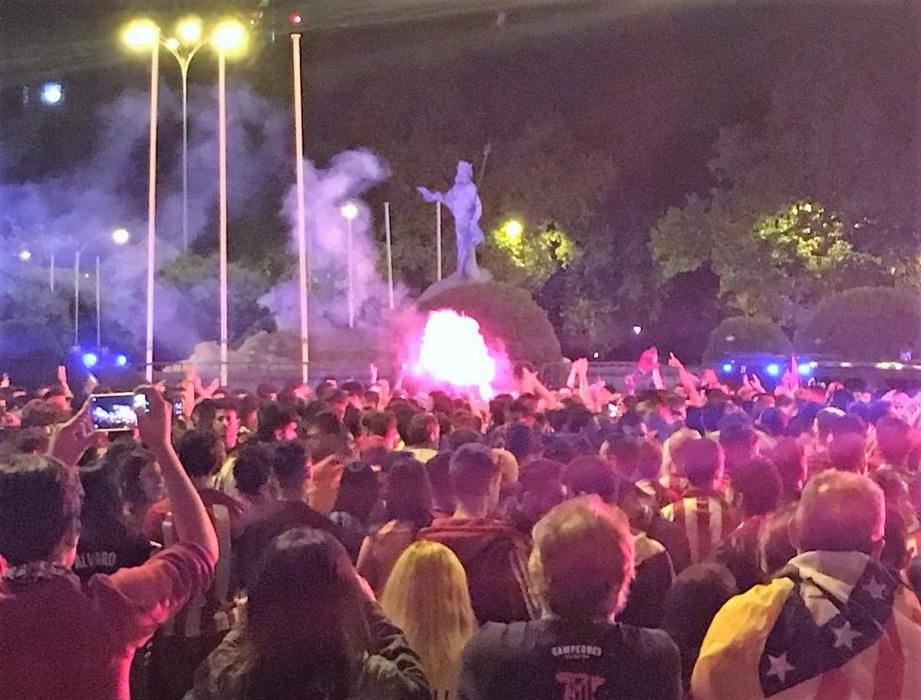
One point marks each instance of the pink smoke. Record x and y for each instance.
(453, 354)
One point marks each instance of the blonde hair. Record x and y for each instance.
(427, 596)
(583, 559)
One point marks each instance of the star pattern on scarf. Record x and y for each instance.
(845, 635)
(780, 667)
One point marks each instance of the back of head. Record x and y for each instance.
(289, 464)
(840, 512)
(789, 457)
(895, 440)
(758, 483)
(775, 543)
(523, 442)
(583, 559)
(359, 490)
(473, 472)
(305, 616)
(253, 467)
(427, 597)
(847, 452)
(409, 493)
(739, 441)
(592, 476)
(463, 437)
(101, 516)
(693, 601)
(439, 471)
(39, 506)
(199, 452)
(379, 423)
(274, 416)
(700, 460)
(422, 428)
(39, 414)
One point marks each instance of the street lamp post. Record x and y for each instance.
(142, 35)
(350, 213)
(120, 236)
(303, 270)
(184, 48)
(229, 38)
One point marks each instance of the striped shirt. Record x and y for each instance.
(705, 518)
(212, 612)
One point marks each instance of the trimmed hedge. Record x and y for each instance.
(742, 334)
(864, 324)
(505, 313)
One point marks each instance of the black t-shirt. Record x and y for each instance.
(108, 557)
(264, 522)
(551, 660)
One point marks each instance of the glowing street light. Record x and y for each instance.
(189, 30)
(229, 37)
(513, 228)
(141, 35)
(120, 236)
(349, 211)
(25, 255)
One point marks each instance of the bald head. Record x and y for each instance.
(840, 512)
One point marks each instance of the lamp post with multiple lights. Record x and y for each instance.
(228, 39)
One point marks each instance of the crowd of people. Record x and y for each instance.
(361, 541)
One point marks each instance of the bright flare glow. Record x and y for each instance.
(349, 211)
(141, 34)
(172, 44)
(52, 94)
(773, 370)
(120, 236)
(25, 255)
(513, 228)
(189, 30)
(229, 37)
(727, 368)
(121, 360)
(90, 359)
(453, 352)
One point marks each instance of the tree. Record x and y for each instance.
(865, 323)
(741, 334)
(809, 204)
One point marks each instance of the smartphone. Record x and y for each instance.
(114, 412)
(177, 407)
(612, 410)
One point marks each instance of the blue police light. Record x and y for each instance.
(773, 370)
(90, 359)
(121, 360)
(727, 368)
(52, 94)
(805, 369)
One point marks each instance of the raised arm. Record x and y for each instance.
(190, 518)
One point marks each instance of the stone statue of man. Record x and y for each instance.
(465, 206)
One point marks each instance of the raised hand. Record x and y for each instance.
(155, 424)
(70, 440)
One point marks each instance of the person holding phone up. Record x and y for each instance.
(63, 639)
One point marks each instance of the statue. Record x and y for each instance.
(465, 206)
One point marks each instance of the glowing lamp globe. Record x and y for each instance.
(773, 370)
(229, 37)
(120, 236)
(121, 360)
(25, 255)
(172, 44)
(514, 228)
(52, 94)
(189, 30)
(727, 368)
(141, 34)
(349, 211)
(90, 359)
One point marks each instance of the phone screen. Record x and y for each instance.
(612, 410)
(113, 412)
(177, 407)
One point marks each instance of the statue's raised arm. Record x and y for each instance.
(430, 196)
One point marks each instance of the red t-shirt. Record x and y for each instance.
(61, 639)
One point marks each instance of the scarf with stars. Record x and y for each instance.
(831, 626)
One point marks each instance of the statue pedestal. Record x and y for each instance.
(455, 280)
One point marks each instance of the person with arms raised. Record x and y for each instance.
(60, 639)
